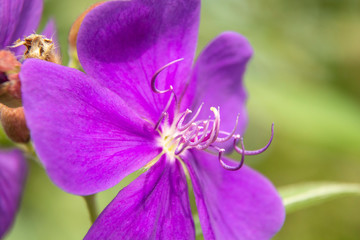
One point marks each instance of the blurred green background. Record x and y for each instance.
(304, 77)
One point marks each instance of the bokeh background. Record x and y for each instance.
(304, 77)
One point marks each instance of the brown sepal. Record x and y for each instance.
(76, 25)
(14, 123)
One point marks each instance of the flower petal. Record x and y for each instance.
(18, 18)
(84, 134)
(154, 206)
(50, 32)
(13, 171)
(218, 79)
(238, 205)
(124, 43)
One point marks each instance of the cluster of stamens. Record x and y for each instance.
(197, 134)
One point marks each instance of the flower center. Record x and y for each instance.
(179, 136)
(200, 134)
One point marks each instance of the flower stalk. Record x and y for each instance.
(91, 206)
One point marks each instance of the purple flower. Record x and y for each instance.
(130, 110)
(13, 171)
(18, 19)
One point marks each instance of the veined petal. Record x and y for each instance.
(85, 135)
(154, 206)
(241, 205)
(18, 18)
(218, 79)
(124, 43)
(13, 171)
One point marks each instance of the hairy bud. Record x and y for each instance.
(40, 47)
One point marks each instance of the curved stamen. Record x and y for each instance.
(191, 132)
(204, 133)
(214, 131)
(216, 122)
(186, 138)
(254, 152)
(183, 146)
(163, 115)
(183, 115)
(181, 120)
(153, 79)
(224, 139)
(227, 167)
(164, 112)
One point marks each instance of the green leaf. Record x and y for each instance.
(299, 196)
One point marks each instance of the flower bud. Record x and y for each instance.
(8, 61)
(10, 93)
(14, 123)
(40, 47)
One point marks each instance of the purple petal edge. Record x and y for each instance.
(13, 171)
(50, 32)
(124, 43)
(83, 133)
(241, 205)
(18, 18)
(217, 80)
(154, 206)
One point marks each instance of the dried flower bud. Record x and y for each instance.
(76, 26)
(14, 123)
(40, 47)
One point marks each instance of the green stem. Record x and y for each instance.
(29, 152)
(91, 206)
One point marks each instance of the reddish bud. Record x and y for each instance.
(76, 26)
(8, 61)
(14, 123)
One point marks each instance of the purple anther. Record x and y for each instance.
(227, 167)
(153, 79)
(181, 120)
(254, 152)
(229, 135)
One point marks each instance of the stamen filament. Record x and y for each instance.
(180, 122)
(164, 112)
(202, 136)
(214, 132)
(226, 166)
(153, 79)
(254, 152)
(221, 140)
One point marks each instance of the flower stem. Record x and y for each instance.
(91, 206)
